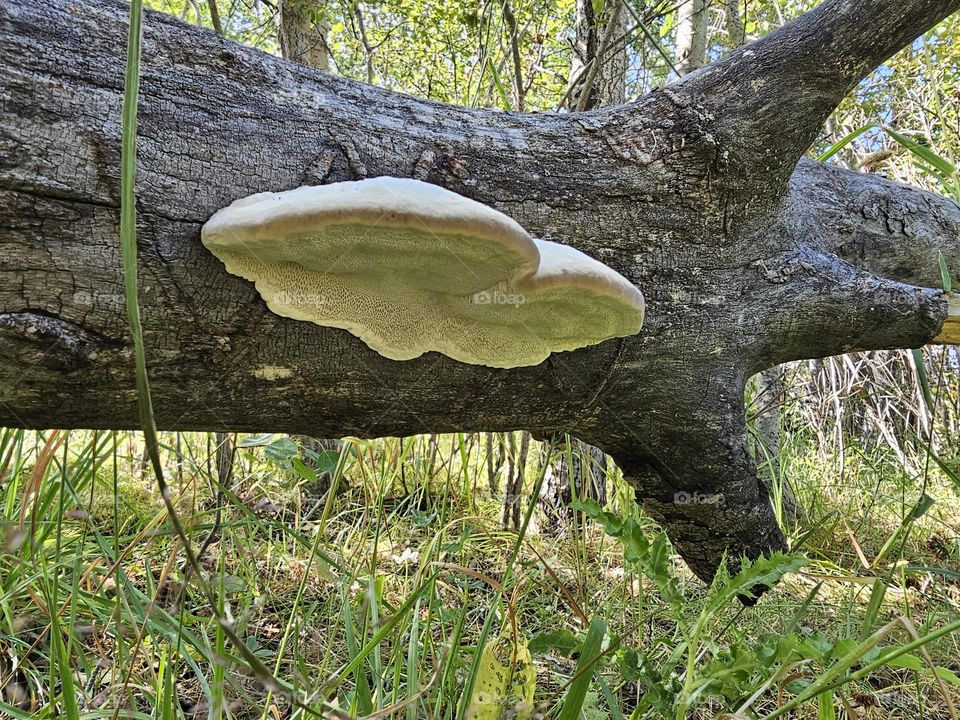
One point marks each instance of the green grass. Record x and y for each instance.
(378, 601)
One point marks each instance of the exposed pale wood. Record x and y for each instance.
(950, 334)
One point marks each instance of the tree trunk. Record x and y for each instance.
(733, 22)
(693, 25)
(302, 33)
(516, 471)
(495, 460)
(768, 385)
(769, 397)
(598, 78)
(748, 256)
(513, 40)
(579, 472)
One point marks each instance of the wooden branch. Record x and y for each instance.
(768, 100)
(883, 227)
(816, 290)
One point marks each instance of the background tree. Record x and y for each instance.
(302, 31)
(598, 77)
(598, 68)
(693, 25)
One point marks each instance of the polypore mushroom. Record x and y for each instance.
(410, 267)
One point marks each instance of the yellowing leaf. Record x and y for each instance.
(506, 680)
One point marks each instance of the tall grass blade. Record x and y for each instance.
(844, 141)
(128, 247)
(501, 89)
(60, 669)
(586, 668)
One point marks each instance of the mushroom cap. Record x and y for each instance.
(410, 267)
(376, 228)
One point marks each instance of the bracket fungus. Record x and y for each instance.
(410, 267)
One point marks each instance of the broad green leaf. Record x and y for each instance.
(256, 440)
(562, 640)
(282, 449)
(303, 470)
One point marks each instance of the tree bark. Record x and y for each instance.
(693, 26)
(747, 258)
(598, 79)
(302, 33)
(769, 384)
(769, 396)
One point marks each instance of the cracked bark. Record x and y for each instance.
(694, 192)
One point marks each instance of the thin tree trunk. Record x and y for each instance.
(215, 17)
(513, 40)
(368, 49)
(302, 33)
(516, 471)
(733, 21)
(692, 30)
(598, 78)
(512, 507)
(496, 455)
(579, 472)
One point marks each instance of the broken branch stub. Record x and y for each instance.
(950, 333)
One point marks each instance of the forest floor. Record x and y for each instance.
(374, 601)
